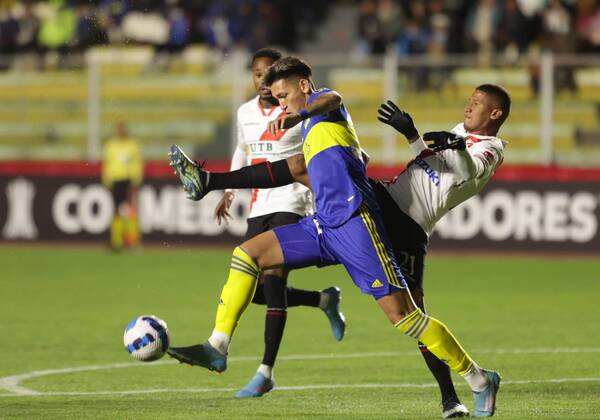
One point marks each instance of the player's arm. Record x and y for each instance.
(262, 175)
(479, 162)
(297, 167)
(322, 104)
(238, 160)
(401, 121)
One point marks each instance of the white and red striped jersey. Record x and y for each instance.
(255, 145)
(434, 183)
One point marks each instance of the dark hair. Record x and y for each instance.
(266, 53)
(499, 94)
(286, 67)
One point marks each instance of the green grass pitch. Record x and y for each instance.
(535, 320)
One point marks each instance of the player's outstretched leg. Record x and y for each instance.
(235, 297)
(197, 182)
(203, 355)
(414, 323)
(331, 306)
(191, 175)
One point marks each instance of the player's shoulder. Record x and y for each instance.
(477, 141)
(248, 107)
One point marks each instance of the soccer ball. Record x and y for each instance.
(146, 338)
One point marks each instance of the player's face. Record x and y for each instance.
(479, 112)
(291, 93)
(259, 68)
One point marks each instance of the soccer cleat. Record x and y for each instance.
(203, 355)
(452, 409)
(485, 401)
(332, 310)
(257, 387)
(191, 175)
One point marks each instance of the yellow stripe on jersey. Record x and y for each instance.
(325, 134)
(382, 253)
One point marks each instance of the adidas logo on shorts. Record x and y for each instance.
(376, 284)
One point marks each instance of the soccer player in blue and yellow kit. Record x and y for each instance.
(346, 229)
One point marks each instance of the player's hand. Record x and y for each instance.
(283, 122)
(222, 209)
(390, 114)
(442, 140)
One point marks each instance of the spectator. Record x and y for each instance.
(9, 31)
(587, 26)
(90, 28)
(483, 24)
(513, 37)
(370, 29)
(29, 26)
(559, 38)
(179, 33)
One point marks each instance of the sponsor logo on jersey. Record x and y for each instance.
(431, 173)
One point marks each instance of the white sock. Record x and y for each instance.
(219, 341)
(476, 378)
(323, 300)
(266, 371)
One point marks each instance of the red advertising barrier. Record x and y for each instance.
(526, 207)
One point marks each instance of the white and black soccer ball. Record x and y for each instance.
(146, 338)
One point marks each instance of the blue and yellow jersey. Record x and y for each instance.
(335, 166)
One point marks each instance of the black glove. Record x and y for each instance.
(443, 140)
(390, 114)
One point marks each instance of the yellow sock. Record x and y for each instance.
(116, 233)
(237, 292)
(438, 339)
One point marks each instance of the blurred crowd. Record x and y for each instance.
(486, 27)
(508, 28)
(69, 26)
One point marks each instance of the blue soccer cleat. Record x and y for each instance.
(257, 387)
(453, 409)
(485, 401)
(191, 175)
(203, 355)
(332, 310)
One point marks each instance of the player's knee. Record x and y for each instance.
(244, 255)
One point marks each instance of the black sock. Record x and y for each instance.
(259, 295)
(299, 297)
(262, 175)
(275, 295)
(441, 372)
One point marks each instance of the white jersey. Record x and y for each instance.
(255, 145)
(433, 183)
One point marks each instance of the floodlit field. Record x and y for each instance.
(63, 312)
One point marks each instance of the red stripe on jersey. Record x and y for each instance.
(472, 140)
(273, 137)
(255, 190)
